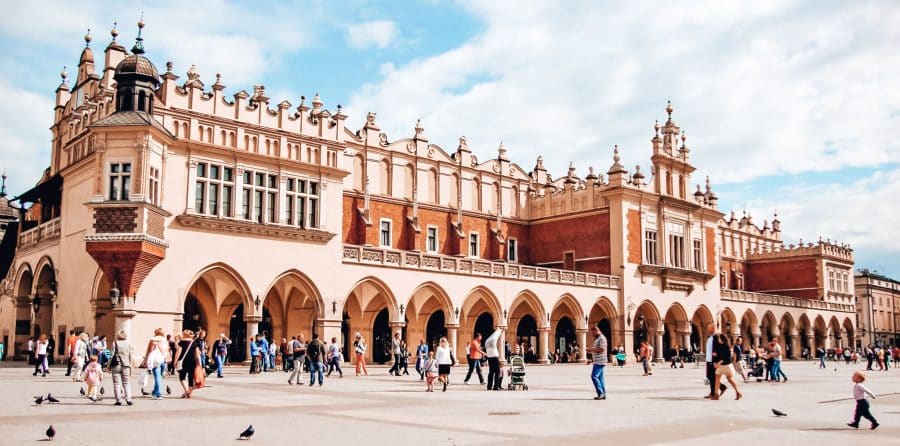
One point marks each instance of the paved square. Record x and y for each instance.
(666, 408)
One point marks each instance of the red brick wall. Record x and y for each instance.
(783, 275)
(587, 236)
(634, 236)
(711, 266)
(449, 243)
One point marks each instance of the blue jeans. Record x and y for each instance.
(822, 362)
(158, 380)
(220, 362)
(776, 371)
(597, 378)
(316, 368)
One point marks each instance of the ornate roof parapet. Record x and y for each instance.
(827, 249)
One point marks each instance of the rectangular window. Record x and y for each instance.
(831, 283)
(512, 250)
(302, 203)
(675, 232)
(154, 186)
(245, 205)
(258, 206)
(473, 245)
(260, 196)
(119, 181)
(431, 239)
(270, 207)
(385, 233)
(650, 245)
(698, 255)
(213, 191)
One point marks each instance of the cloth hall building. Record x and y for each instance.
(196, 208)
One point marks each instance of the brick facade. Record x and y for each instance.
(794, 277)
(586, 236)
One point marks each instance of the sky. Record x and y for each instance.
(788, 105)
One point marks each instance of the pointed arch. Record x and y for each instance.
(381, 289)
(294, 278)
(228, 272)
(727, 317)
(568, 305)
(526, 300)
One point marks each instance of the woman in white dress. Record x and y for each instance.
(444, 356)
(80, 356)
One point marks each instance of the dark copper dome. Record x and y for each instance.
(137, 64)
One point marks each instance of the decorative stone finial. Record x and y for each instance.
(616, 166)
(138, 47)
(317, 102)
(419, 129)
(193, 74)
(698, 194)
(591, 175)
(656, 127)
(501, 151)
(3, 186)
(63, 75)
(616, 157)
(638, 177)
(669, 109)
(114, 32)
(169, 66)
(539, 165)
(218, 78)
(370, 117)
(87, 38)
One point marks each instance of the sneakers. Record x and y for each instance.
(874, 426)
(129, 403)
(855, 426)
(118, 403)
(466, 383)
(600, 397)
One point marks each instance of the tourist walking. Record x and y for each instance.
(40, 360)
(70, 351)
(475, 355)
(599, 355)
(860, 394)
(395, 351)
(644, 355)
(421, 357)
(255, 355)
(263, 352)
(93, 376)
(359, 348)
(80, 355)
(120, 368)
(220, 349)
(286, 358)
(430, 369)
(315, 352)
(445, 360)
(492, 352)
(334, 358)
(724, 356)
(187, 359)
(155, 359)
(710, 364)
(298, 350)
(777, 373)
(737, 354)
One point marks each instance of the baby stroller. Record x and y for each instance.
(516, 373)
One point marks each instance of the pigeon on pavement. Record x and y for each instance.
(778, 413)
(51, 432)
(38, 400)
(247, 433)
(51, 399)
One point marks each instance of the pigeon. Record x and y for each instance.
(102, 390)
(168, 390)
(51, 432)
(778, 413)
(82, 392)
(51, 399)
(38, 400)
(144, 392)
(247, 433)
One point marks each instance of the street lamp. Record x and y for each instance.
(257, 302)
(114, 295)
(36, 303)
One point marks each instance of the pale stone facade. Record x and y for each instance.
(242, 216)
(878, 317)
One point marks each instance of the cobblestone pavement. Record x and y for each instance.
(666, 408)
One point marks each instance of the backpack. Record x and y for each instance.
(313, 350)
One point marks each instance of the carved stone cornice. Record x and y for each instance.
(214, 224)
(678, 279)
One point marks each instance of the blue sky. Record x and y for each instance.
(788, 105)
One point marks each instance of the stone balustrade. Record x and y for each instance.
(786, 301)
(473, 267)
(49, 230)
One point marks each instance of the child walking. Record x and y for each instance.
(431, 372)
(860, 392)
(93, 375)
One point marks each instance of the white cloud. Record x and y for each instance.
(862, 213)
(22, 163)
(762, 88)
(376, 34)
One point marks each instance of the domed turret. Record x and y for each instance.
(136, 79)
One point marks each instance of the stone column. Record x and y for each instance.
(542, 348)
(252, 330)
(581, 335)
(686, 340)
(124, 313)
(501, 347)
(659, 347)
(756, 339)
(796, 348)
(451, 338)
(811, 342)
(329, 329)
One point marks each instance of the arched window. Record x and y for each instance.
(408, 181)
(433, 186)
(125, 100)
(514, 201)
(384, 177)
(476, 194)
(454, 189)
(357, 173)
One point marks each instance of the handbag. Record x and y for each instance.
(199, 377)
(115, 361)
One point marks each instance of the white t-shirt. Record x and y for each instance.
(490, 345)
(41, 348)
(442, 354)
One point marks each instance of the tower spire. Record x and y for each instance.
(3, 186)
(139, 41)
